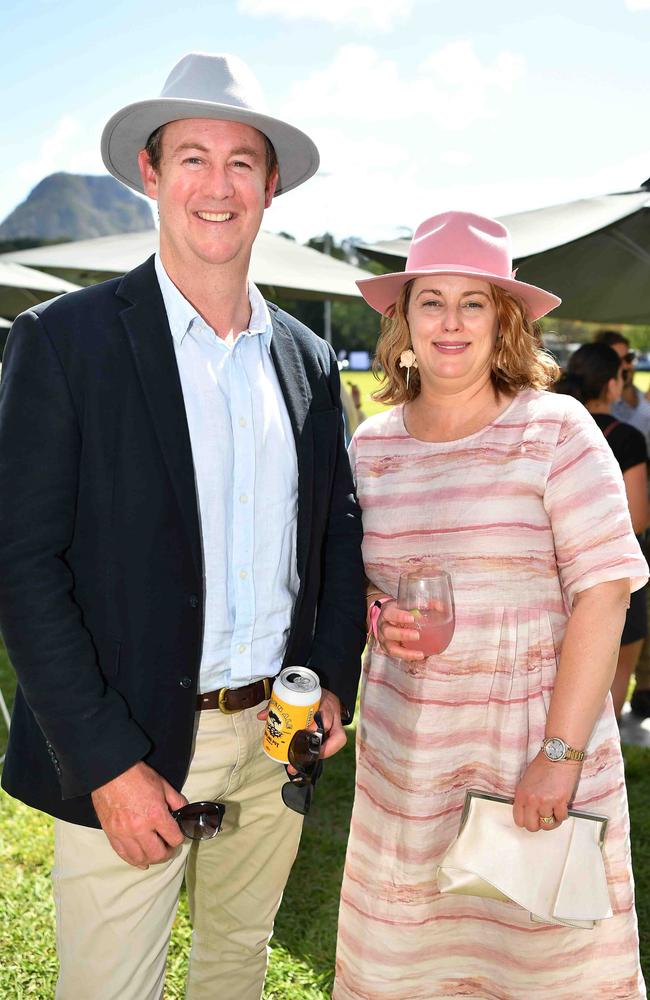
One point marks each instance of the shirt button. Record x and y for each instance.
(242, 574)
(186, 682)
(194, 601)
(243, 498)
(242, 648)
(242, 421)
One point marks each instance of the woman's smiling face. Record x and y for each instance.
(453, 324)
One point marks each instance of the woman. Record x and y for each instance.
(594, 376)
(513, 491)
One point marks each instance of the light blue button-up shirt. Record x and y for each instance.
(246, 475)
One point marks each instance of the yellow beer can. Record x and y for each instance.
(294, 699)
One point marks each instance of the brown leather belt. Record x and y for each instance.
(230, 700)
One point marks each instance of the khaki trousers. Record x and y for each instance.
(114, 921)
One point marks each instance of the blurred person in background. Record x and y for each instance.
(595, 376)
(353, 415)
(632, 408)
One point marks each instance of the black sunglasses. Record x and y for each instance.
(304, 756)
(629, 357)
(200, 820)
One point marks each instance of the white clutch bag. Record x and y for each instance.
(557, 875)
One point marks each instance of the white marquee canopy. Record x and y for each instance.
(279, 265)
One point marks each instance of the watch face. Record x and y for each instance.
(555, 749)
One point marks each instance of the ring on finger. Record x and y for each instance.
(547, 820)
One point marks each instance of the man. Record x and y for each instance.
(177, 522)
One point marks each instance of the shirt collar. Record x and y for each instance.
(181, 314)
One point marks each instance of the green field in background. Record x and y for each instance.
(368, 384)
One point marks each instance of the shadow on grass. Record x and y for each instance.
(306, 923)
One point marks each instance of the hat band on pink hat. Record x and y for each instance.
(453, 269)
(480, 247)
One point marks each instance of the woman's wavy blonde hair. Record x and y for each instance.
(519, 361)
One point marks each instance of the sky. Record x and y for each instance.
(417, 106)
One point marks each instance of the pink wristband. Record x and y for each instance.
(374, 613)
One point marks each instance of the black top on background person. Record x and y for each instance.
(627, 443)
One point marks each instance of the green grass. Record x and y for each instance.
(302, 958)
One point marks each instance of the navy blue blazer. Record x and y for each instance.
(101, 576)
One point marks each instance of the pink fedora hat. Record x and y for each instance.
(464, 244)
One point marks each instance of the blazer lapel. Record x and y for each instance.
(297, 396)
(147, 328)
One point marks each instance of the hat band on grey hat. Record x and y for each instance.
(220, 87)
(464, 244)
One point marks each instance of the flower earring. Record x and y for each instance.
(408, 360)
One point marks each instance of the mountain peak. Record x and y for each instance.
(76, 207)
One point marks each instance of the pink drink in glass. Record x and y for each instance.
(429, 598)
(436, 630)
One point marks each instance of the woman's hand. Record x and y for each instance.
(546, 789)
(393, 629)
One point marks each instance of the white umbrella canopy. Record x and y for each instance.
(594, 253)
(278, 265)
(23, 287)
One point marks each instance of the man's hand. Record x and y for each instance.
(133, 810)
(336, 736)
(330, 710)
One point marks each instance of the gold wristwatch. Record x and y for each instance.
(557, 749)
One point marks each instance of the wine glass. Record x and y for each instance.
(429, 596)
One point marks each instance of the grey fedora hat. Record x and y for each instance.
(205, 86)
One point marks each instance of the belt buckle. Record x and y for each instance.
(223, 692)
(221, 703)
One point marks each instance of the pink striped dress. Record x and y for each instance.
(524, 514)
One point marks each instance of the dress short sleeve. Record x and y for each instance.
(586, 502)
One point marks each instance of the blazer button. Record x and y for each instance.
(194, 601)
(186, 682)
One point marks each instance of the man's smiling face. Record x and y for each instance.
(211, 188)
